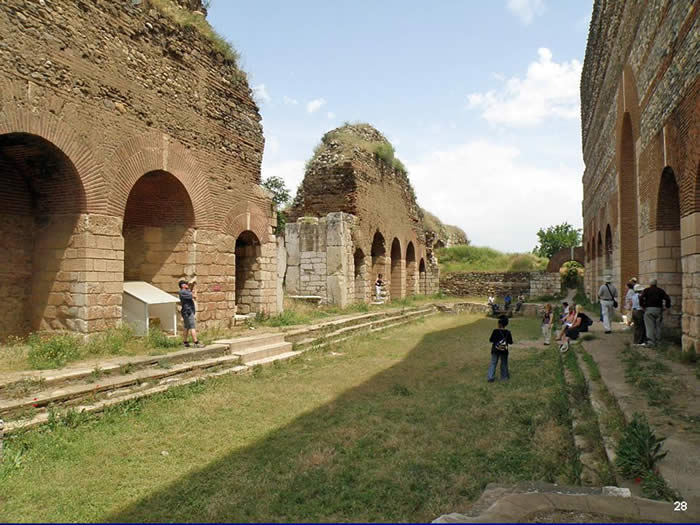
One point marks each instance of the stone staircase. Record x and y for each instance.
(27, 401)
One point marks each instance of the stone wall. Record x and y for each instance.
(323, 261)
(530, 284)
(641, 147)
(100, 95)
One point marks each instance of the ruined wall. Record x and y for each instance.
(641, 147)
(110, 91)
(530, 284)
(346, 175)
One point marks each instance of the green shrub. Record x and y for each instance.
(639, 449)
(522, 263)
(467, 258)
(385, 152)
(111, 342)
(53, 351)
(572, 274)
(159, 339)
(655, 487)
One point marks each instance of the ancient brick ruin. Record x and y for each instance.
(355, 216)
(130, 149)
(641, 147)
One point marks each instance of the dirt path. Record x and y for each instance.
(678, 420)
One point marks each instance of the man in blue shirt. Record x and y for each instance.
(188, 311)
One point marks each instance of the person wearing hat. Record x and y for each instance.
(628, 300)
(608, 302)
(653, 300)
(188, 311)
(639, 334)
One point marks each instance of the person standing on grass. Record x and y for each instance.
(628, 301)
(608, 302)
(500, 339)
(188, 311)
(547, 323)
(639, 334)
(652, 300)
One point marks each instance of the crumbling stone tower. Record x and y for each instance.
(130, 149)
(356, 216)
(641, 146)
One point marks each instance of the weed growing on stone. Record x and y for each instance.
(644, 373)
(159, 339)
(53, 351)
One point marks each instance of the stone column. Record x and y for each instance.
(690, 263)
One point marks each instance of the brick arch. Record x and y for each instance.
(157, 152)
(564, 255)
(63, 137)
(246, 216)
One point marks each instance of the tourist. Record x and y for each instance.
(608, 302)
(639, 334)
(520, 302)
(567, 321)
(378, 284)
(188, 311)
(500, 339)
(628, 300)
(652, 300)
(564, 310)
(578, 325)
(506, 301)
(547, 323)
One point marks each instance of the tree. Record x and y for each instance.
(555, 238)
(280, 197)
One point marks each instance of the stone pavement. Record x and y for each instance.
(679, 423)
(519, 503)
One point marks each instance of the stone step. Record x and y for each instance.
(254, 341)
(70, 393)
(272, 358)
(260, 352)
(46, 378)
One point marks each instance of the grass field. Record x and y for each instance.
(463, 258)
(400, 426)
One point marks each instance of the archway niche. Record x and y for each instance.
(439, 244)
(629, 231)
(397, 288)
(378, 255)
(411, 273)
(599, 264)
(361, 280)
(248, 263)
(159, 232)
(422, 278)
(608, 250)
(668, 264)
(43, 198)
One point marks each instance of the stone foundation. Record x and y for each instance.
(530, 284)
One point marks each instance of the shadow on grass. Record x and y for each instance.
(419, 439)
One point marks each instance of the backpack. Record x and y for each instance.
(502, 345)
(585, 323)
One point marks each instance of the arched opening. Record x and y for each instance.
(42, 199)
(668, 220)
(248, 254)
(629, 241)
(422, 278)
(378, 255)
(361, 281)
(411, 273)
(439, 244)
(158, 232)
(599, 264)
(397, 288)
(608, 250)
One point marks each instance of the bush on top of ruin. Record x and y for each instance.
(432, 223)
(464, 258)
(186, 17)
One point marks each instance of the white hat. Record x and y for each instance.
(638, 287)
(607, 278)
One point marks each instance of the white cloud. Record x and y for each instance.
(315, 104)
(331, 115)
(497, 198)
(272, 145)
(289, 101)
(526, 10)
(550, 89)
(291, 171)
(260, 93)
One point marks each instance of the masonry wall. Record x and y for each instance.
(530, 284)
(120, 91)
(641, 147)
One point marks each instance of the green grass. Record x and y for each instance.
(463, 258)
(400, 426)
(651, 376)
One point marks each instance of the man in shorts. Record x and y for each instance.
(188, 311)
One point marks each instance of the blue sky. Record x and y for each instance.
(480, 99)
